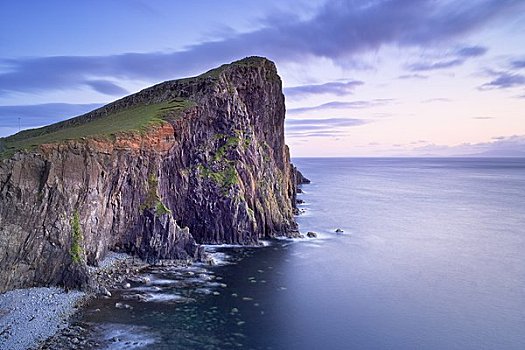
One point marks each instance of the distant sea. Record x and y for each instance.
(432, 257)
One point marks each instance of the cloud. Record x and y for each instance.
(41, 114)
(454, 59)
(306, 135)
(325, 127)
(341, 105)
(503, 80)
(106, 87)
(312, 124)
(436, 99)
(426, 66)
(517, 64)
(339, 31)
(412, 76)
(483, 118)
(509, 146)
(335, 88)
(471, 51)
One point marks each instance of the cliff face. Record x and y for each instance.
(215, 171)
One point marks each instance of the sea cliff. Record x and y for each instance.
(154, 174)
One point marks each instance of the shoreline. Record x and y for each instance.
(115, 274)
(29, 316)
(44, 317)
(54, 314)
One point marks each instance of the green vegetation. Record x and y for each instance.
(153, 200)
(231, 142)
(161, 209)
(76, 251)
(134, 119)
(225, 178)
(251, 213)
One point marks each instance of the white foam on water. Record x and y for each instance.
(124, 337)
(147, 289)
(166, 282)
(205, 291)
(221, 258)
(265, 243)
(163, 297)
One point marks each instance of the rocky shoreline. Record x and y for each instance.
(121, 271)
(49, 318)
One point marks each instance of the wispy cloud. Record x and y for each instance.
(518, 64)
(436, 99)
(471, 51)
(453, 59)
(505, 146)
(106, 87)
(339, 31)
(503, 80)
(413, 76)
(316, 124)
(426, 66)
(341, 105)
(321, 127)
(306, 135)
(334, 88)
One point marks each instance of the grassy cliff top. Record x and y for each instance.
(134, 119)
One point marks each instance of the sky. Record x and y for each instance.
(361, 78)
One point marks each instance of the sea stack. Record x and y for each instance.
(182, 163)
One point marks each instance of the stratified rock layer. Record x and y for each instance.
(216, 172)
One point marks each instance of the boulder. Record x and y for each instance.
(311, 234)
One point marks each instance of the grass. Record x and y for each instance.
(224, 178)
(134, 119)
(153, 200)
(231, 142)
(76, 251)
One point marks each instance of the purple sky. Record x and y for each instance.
(362, 78)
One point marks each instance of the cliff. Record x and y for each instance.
(184, 162)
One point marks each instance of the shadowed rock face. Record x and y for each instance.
(216, 172)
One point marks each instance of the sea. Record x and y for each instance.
(432, 256)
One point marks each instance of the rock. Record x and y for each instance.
(120, 305)
(311, 234)
(104, 291)
(139, 297)
(299, 177)
(217, 171)
(339, 230)
(300, 201)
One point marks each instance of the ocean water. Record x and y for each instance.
(432, 257)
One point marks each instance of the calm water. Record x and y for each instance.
(432, 257)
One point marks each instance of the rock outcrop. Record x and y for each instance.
(215, 171)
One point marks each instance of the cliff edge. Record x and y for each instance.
(182, 163)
